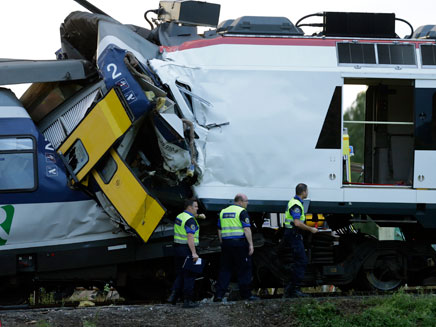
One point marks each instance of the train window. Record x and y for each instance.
(7, 144)
(107, 169)
(428, 54)
(425, 119)
(17, 164)
(76, 156)
(330, 136)
(376, 54)
(396, 54)
(356, 53)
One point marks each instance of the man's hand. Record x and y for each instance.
(194, 257)
(298, 223)
(247, 232)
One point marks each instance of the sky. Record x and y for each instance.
(29, 29)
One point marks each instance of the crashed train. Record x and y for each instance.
(98, 154)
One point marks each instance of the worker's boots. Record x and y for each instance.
(298, 293)
(294, 291)
(172, 298)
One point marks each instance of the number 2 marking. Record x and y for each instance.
(48, 147)
(113, 67)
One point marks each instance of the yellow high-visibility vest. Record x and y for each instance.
(288, 218)
(180, 234)
(231, 226)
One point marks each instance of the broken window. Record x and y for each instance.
(76, 156)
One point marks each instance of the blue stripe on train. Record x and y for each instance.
(51, 176)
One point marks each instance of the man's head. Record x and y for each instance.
(191, 205)
(302, 191)
(241, 200)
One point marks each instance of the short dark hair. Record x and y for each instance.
(300, 188)
(189, 202)
(238, 198)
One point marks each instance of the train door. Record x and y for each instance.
(128, 196)
(425, 134)
(381, 133)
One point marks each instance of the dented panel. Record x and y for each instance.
(106, 122)
(138, 208)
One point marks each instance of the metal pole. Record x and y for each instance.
(91, 7)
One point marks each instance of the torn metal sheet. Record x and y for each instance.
(61, 224)
(170, 134)
(251, 125)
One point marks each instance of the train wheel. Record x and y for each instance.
(386, 274)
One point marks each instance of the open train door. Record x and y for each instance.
(424, 174)
(127, 195)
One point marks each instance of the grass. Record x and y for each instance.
(44, 297)
(43, 323)
(398, 310)
(87, 323)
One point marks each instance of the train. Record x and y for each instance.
(98, 154)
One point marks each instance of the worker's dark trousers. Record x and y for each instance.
(294, 240)
(184, 283)
(234, 257)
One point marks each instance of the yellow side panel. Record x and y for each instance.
(140, 211)
(106, 122)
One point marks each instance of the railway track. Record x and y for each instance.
(121, 303)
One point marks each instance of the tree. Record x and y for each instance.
(356, 132)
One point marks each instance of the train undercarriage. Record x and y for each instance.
(345, 258)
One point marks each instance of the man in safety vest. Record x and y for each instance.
(186, 238)
(236, 248)
(294, 225)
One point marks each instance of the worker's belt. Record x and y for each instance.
(292, 231)
(180, 245)
(235, 241)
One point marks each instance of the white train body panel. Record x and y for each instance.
(275, 99)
